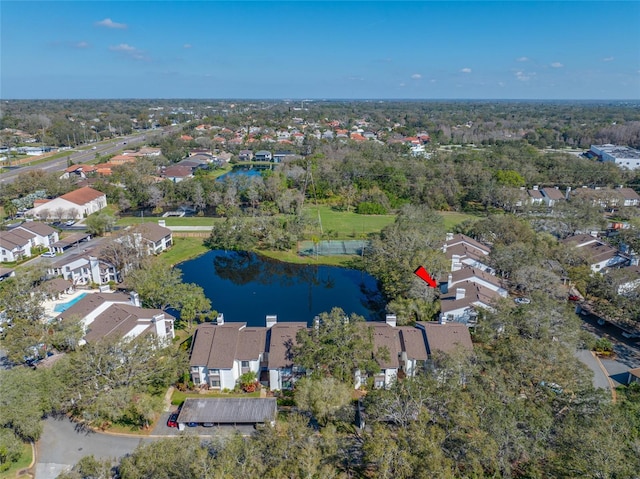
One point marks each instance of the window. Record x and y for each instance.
(215, 384)
(214, 371)
(244, 364)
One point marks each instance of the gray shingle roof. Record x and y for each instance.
(282, 338)
(228, 410)
(446, 337)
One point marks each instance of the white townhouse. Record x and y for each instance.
(15, 246)
(44, 235)
(118, 315)
(84, 268)
(221, 353)
(76, 204)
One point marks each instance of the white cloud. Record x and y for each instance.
(522, 59)
(81, 45)
(524, 76)
(416, 76)
(501, 83)
(123, 47)
(608, 59)
(401, 84)
(108, 23)
(186, 45)
(466, 70)
(130, 51)
(556, 65)
(433, 80)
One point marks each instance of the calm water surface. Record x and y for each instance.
(247, 287)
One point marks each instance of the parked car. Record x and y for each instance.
(574, 297)
(207, 424)
(192, 424)
(522, 300)
(48, 254)
(630, 335)
(69, 223)
(172, 421)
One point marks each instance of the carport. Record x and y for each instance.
(72, 240)
(227, 411)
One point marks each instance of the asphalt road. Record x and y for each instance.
(103, 148)
(62, 445)
(627, 354)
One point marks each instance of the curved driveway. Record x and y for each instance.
(62, 445)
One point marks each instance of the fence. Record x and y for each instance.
(331, 247)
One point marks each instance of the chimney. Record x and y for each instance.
(271, 320)
(134, 298)
(535, 187)
(449, 236)
(316, 323)
(220, 319)
(391, 320)
(449, 281)
(162, 223)
(566, 195)
(442, 319)
(460, 292)
(158, 321)
(456, 265)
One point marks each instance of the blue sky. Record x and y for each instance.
(320, 49)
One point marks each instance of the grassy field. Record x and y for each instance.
(452, 218)
(347, 225)
(169, 221)
(351, 225)
(183, 249)
(24, 461)
(293, 257)
(344, 225)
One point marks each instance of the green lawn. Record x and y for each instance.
(183, 249)
(169, 221)
(293, 257)
(352, 225)
(23, 462)
(347, 225)
(452, 218)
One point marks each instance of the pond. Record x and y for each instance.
(247, 287)
(238, 173)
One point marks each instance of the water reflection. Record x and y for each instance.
(247, 287)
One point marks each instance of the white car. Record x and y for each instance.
(48, 254)
(69, 223)
(522, 300)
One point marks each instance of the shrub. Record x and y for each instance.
(370, 208)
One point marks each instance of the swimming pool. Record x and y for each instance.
(62, 307)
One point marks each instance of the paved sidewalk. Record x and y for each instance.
(600, 379)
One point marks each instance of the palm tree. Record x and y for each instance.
(10, 209)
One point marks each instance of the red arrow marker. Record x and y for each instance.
(423, 275)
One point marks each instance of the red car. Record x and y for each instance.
(173, 420)
(574, 297)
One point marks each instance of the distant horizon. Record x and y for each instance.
(319, 100)
(359, 50)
